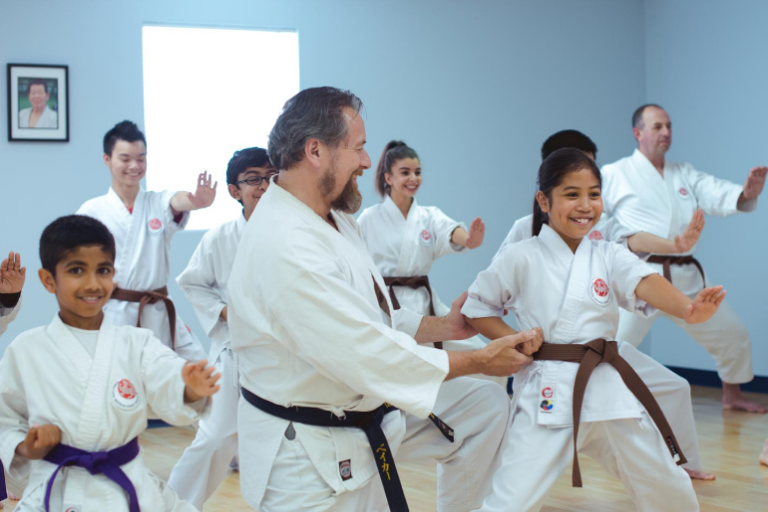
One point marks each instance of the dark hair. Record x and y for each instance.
(568, 139)
(127, 131)
(393, 151)
(243, 159)
(637, 117)
(316, 113)
(37, 81)
(553, 171)
(69, 233)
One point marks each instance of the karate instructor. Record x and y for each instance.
(335, 384)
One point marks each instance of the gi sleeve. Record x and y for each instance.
(493, 290)
(339, 331)
(407, 321)
(714, 195)
(8, 314)
(443, 228)
(521, 230)
(162, 202)
(627, 270)
(198, 281)
(164, 386)
(14, 415)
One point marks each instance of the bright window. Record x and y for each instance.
(207, 93)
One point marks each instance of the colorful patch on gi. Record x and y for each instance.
(547, 405)
(72, 509)
(425, 237)
(345, 469)
(155, 226)
(683, 192)
(125, 395)
(600, 292)
(547, 392)
(595, 235)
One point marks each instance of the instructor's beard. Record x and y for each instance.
(350, 199)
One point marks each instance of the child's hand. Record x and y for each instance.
(533, 345)
(205, 193)
(705, 305)
(476, 234)
(39, 442)
(12, 274)
(686, 241)
(199, 381)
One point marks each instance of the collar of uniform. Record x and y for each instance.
(241, 222)
(392, 208)
(278, 194)
(644, 165)
(114, 198)
(556, 245)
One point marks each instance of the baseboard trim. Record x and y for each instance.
(710, 379)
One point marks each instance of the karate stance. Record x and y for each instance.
(75, 394)
(571, 288)
(143, 223)
(647, 193)
(335, 388)
(205, 463)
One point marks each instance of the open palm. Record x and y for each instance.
(686, 241)
(205, 193)
(704, 305)
(476, 234)
(12, 274)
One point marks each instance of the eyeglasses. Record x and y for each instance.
(255, 181)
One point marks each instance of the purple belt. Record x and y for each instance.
(106, 463)
(3, 493)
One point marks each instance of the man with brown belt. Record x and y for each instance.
(647, 193)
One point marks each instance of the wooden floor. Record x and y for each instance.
(730, 444)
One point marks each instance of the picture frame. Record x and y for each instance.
(38, 103)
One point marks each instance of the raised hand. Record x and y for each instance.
(755, 181)
(686, 241)
(704, 305)
(460, 329)
(40, 440)
(200, 381)
(505, 356)
(205, 193)
(476, 234)
(12, 274)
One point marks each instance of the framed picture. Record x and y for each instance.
(38, 103)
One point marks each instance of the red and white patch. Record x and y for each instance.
(547, 392)
(188, 329)
(425, 237)
(595, 235)
(345, 469)
(124, 394)
(72, 509)
(155, 226)
(683, 192)
(600, 292)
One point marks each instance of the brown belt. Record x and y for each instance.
(589, 355)
(666, 261)
(414, 283)
(150, 297)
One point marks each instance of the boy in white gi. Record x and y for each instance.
(647, 193)
(321, 360)
(75, 394)
(671, 391)
(204, 465)
(143, 223)
(572, 287)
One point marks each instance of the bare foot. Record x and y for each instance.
(734, 400)
(12, 496)
(764, 456)
(699, 475)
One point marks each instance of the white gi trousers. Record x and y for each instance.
(724, 335)
(633, 450)
(205, 463)
(478, 412)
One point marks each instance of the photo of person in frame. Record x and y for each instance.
(38, 107)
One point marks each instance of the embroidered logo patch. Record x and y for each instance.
(547, 392)
(595, 235)
(683, 192)
(345, 469)
(124, 394)
(600, 292)
(547, 405)
(426, 237)
(155, 226)
(72, 509)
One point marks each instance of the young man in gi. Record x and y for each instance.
(645, 192)
(75, 394)
(334, 381)
(204, 465)
(143, 223)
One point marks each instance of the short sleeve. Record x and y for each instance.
(493, 290)
(443, 227)
(627, 270)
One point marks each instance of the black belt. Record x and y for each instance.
(369, 422)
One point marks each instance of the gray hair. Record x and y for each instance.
(316, 113)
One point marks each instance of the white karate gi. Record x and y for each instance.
(7, 315)
(48, 119)
(143, 242)
(308, 331)
(574, 298)
(641, 199)
(205, 463)
(48, 377)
